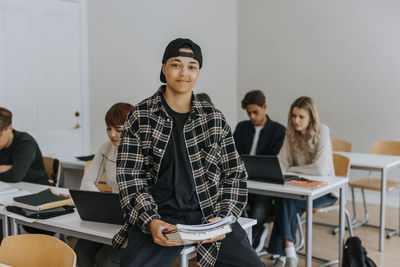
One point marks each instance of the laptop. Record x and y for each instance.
(95, 206)
(265, 169)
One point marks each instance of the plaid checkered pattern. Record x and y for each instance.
(219, 174)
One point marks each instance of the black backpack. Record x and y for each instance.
(355, 255)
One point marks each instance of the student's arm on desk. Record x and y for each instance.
(25, 156)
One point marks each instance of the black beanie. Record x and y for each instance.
(172, 50)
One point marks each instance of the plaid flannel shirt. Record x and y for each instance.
(218, 172)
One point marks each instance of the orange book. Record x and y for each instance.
(306, 183)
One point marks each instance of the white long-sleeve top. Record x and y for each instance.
(105, 161)
(321, 164)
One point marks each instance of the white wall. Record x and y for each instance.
(127, 41)
(344, 54)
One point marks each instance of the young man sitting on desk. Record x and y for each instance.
(177, 163)
(258, 136)
(307, 149)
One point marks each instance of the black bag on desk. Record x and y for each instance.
(355, 255)
(41, 214)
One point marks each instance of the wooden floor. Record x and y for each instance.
(326, 245)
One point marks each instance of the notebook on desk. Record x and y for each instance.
(265, 169)
(95, 206)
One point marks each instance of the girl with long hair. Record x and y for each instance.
(307, 150)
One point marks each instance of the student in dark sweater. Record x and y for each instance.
(20, 156)
(258, 136)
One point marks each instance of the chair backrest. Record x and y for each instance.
(341, 164)
(36, 250)
(341, 145)
(53, 170)
(386, 148)
(102, 185)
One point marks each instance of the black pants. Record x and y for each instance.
(93, 254)
(143, 252)
(260, 207)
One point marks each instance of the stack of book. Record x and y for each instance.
(44, 204)
(195, 233)
(44, 200)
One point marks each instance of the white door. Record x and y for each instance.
(43, 72)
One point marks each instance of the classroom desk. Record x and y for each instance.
(68, 224)
(72, 225)
(375, 162)
(295, 192)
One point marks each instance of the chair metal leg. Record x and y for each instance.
(366, 216)
(354, 220)
(299, 243)
(396, 232)
(329, 263)
(260, 249)
(354, 207)
(349, 222)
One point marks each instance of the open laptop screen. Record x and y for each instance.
(95, 206)
(265, 168)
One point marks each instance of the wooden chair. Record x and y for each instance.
(382, 148)
(53, 170)
(341, 145)
(342, 168)
(36, 250)
(102, 185)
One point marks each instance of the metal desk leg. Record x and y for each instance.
(383, 211)
(13, 225)
(5, 225)
(309, 233)
(341, 223)
(183, 260)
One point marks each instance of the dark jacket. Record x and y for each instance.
(269, 142)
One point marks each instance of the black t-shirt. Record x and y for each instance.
(175, 192)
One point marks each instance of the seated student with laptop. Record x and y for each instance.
(91, 253)
(258, 136)
(307, 150)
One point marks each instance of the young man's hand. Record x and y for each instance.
(220, 237)
(156, 227)
(4, 168)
